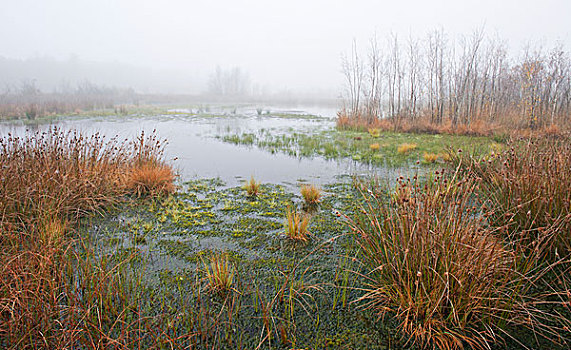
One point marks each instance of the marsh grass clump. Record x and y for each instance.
(149, 179)
(374, 132)
(252, 187)
(406, 147)
(311, 194)
(430, 158)
(529, 186)
(219, 273)
(296, 225)
(430, 260)
(50, 180)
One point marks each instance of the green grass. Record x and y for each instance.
(334, 144)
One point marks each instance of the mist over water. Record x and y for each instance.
(281, 47)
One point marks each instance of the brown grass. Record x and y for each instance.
(296, 225)
(432, 262)
(406, 147)
(311, 194)
(48, 292)
(530, 186)
(150, 179)
(424, 125)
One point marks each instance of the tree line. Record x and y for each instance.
(439, 79)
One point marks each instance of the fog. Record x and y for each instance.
(175, 46)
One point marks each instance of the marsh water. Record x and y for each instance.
(196, 150)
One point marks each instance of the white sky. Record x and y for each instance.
(293, 43)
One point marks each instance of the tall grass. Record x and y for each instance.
(529, 186)
(431, 261)
(50, 295)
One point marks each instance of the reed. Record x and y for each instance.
(431, 261)
(529, 186)
(53, 294)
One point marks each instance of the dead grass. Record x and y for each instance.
(149, 179)
(311, 194)
(406, 148)
(529, 185)
(423, 125)
(431, 261)
(296, 225)
(49, 181)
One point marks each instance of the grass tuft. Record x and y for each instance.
(431, 261)
(406, 147)
(252, 187)
(374, 147)
(311, 194)
(296, 225)
(219, 273)
(430, 158)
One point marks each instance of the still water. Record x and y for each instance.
(195, 151)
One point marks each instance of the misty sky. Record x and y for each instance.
(295, 44)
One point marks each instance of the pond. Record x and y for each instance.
(196, 149)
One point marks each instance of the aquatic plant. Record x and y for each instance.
(406, 147)
(429, 158)
(219, 273)
(252, 187)
(296, 225)
(432, 262)
(311, 194)
(529, 186)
